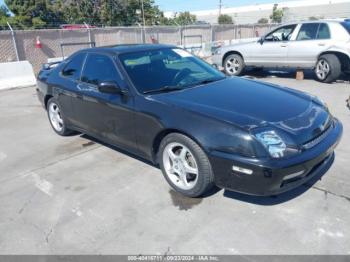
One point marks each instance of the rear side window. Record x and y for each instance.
(346, 25)
(308, 31)
(73, 68)
(99, 68)
(323, 32)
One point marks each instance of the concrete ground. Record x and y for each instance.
(73, 195)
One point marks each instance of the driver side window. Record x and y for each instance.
(283, 33)
(99, 68)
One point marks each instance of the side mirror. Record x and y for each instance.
(46, 66)
(261, 40)
(110, 88)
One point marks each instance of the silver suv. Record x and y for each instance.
(320, 45)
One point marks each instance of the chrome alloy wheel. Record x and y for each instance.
(322, 69)
(233, 65)
(55, 117)
(180, 166)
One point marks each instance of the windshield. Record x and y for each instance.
(165, 68)
(346, 25)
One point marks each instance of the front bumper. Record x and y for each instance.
(273, 176)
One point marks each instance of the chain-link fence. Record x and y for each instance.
(193, 36)
(7, 47)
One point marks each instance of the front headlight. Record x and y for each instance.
(273, 143)
(278, 144)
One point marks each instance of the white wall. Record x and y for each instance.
(16, 74)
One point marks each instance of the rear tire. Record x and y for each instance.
(56, 118)
(234, 65)
(185, 165)
(328, 68)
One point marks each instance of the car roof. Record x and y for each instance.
(127, 48)
(316, 21)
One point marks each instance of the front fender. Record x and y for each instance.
(210, 133)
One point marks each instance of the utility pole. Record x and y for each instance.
(143, 21)
(220, 6)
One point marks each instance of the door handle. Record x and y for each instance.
(283, 45)
(321, 44)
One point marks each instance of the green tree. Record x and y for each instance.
(78, 11)
(4, 15)
(185, 18)
(277, 14)
(225, 19)
(263, 21)
(153, 15)
(33, 13)
(111, 11)
(52, 13)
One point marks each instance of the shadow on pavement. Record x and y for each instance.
(285, 73)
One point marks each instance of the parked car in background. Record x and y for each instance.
(323, 46)
(165, 105)
(76, 26)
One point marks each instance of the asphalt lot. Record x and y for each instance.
(75, 196)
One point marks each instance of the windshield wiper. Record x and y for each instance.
(163, 89)
(172, 88)
(207, 81)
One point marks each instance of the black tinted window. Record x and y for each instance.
(308, 31)
(323, 32)
(99, 68)
(73, 68)
(346, 25)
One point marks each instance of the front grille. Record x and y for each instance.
(318, 139)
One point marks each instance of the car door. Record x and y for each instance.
(65, 85)
(107, 116)
(310, 41)
(272, 50)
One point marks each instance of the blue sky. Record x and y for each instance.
(193, 5)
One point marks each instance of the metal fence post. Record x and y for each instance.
(13, 40)
(143, 35)
(181, 35)
(89, 33)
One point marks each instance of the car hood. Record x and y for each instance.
(251, 104)
(239, 44)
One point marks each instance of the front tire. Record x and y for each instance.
(234, 65)
(56, 118)
(328, 68)
(185, 165)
